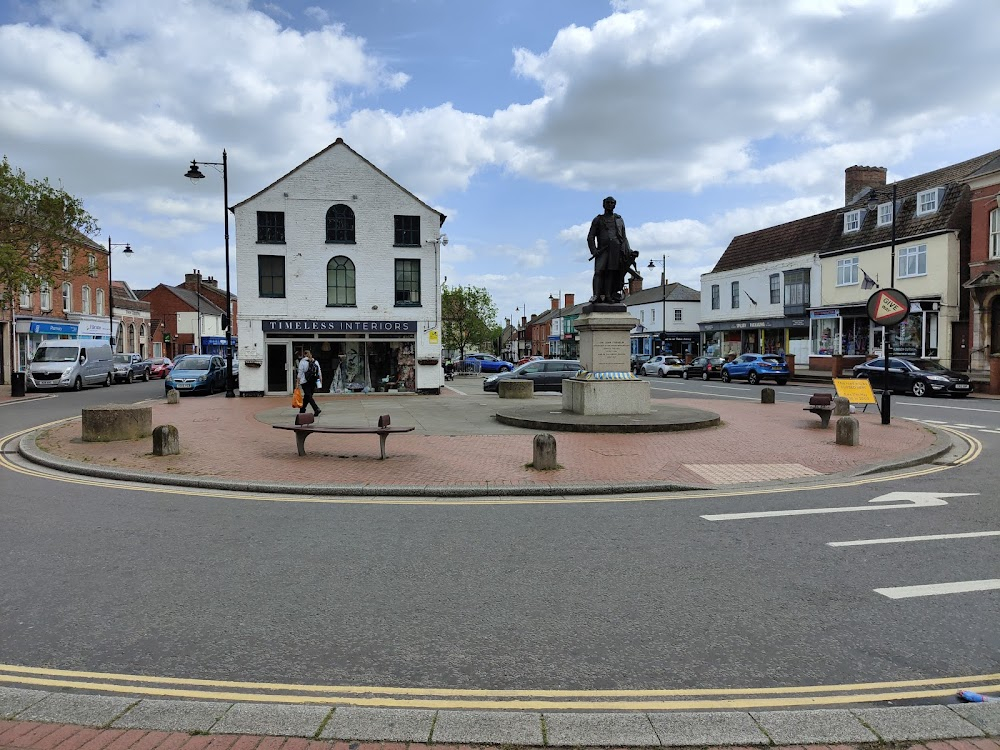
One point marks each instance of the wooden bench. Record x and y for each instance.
(822, 405)
(304, 427)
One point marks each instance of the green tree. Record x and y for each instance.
(37, 220)
(468, 317)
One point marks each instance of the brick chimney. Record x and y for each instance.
(555, 303)
(210, 281)
(192, 278)
(858, 178)
(634, 284)
(570, 300)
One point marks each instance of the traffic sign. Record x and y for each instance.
(888, 307)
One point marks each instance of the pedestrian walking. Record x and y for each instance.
(310, 378)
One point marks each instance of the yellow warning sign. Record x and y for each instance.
(857, 391)
(887, 307)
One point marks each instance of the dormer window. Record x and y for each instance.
(884, 214)
(852, 221)
(928, 201)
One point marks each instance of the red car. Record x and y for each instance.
(159, 367)
(522, 360)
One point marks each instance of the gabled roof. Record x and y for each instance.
(190, 299)
(339, 142)
(799, 237)
(675, 293)
(908, 224)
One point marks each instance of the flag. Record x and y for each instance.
(868, 282)
(752, 300)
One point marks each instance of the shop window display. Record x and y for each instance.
(856, 337)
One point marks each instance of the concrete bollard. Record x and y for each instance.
(841, 406)
(173, 396)
(848, 431)
(516, 388)
(544, 452)
(166, 441)
(767, 395)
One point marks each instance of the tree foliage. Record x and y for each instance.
(468, 316)
(37, 220)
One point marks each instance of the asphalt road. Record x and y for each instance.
(519, 596)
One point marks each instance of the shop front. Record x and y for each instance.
(848, 332)
(354, 356)
(217, 345)
(769, 336)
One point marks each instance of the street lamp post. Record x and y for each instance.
(111, 292)
(663, 320)
(195, 174)
(886, 390)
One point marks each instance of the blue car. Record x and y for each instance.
(197, 373)
(486, 363)
(756, 367)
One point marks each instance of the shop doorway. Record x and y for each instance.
(960, 346)
(277, 369)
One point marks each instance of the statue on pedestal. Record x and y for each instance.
(612, 256)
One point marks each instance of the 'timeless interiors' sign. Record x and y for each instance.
(339, 326)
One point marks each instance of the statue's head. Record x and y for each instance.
(610, 202)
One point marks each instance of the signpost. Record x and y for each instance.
(887, 308)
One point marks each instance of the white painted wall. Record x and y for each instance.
(755, 280)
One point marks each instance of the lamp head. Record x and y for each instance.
(194, 173)
(873, 202)
(651, 265)
(128, 249)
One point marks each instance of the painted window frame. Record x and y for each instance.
(774, 287)
(270, 227)
(341, 225)
(929, 201)
(884, 214)
(734, 295)
(66, 258)
(911, 262)
(24, 299)
(45, 297)
(678, 315)
(85, 299)
(67, 297)
(342, 292)
(847, 272)
(99, 302)
(268, 278)
(92, 264)
(406, 282)
(716, 297)
(852, 221)
(406, 231)
(994, 243)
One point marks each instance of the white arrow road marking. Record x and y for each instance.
(905, 500)
(901, 539)
(937, 589)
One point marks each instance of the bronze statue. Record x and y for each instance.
(613, 257)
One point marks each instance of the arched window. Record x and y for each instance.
(120, 339)
(340, 224)
(100, 302)
(340, 282)
(142, 341)
(131, 337)
(67, 291)
(85, 300)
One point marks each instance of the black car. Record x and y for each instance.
(638, 360)
(704, 368)
(919, 377)
(547, 374)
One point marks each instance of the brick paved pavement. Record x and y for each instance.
(457, 442)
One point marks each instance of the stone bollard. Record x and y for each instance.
(166, 441)
(516, 388)
(841, 406)
(848, 431)
(767, 395)
(173, 396)
(544, 453)
(104, 424)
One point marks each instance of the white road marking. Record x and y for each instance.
(906, 500)
(930, 421)
(971, 426)
(937, 589)
(957, 408)
(903, 539)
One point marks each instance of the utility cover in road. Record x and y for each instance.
(888, 307)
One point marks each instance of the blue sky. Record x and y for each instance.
(704, 118)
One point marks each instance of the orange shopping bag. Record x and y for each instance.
(297, 398)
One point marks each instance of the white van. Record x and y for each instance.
(70, 363)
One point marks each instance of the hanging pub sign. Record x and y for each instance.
(888, 307)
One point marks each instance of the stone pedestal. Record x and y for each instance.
(608, 387)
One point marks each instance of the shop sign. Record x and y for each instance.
(93, 328)
(63, 328)
(339, 326)
(743, 325)
(829, 313)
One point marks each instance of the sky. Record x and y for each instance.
(705, 119)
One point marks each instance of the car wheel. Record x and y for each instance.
(725, 377)
(753, 378)
(662, 373)
(685, 375)
(782, 382)
(505, 369)
(131, 377)
(107, 381)
(78, 384)
(705, 375)
(919, 388)
(145, 376)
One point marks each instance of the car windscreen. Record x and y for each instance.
(122, 359)
(195, 363)
(928, 365)
(56, 354)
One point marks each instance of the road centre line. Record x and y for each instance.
(904, 539)
(939, 589)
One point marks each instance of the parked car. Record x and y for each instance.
(756, 367)
(546, 374)
(70, 363)
(638, 360)
(522, 360)
(919, 377)
(663, 365)
(160, 366)
(195, 373)
(704, 368)
(488, 363)
(130, 367)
